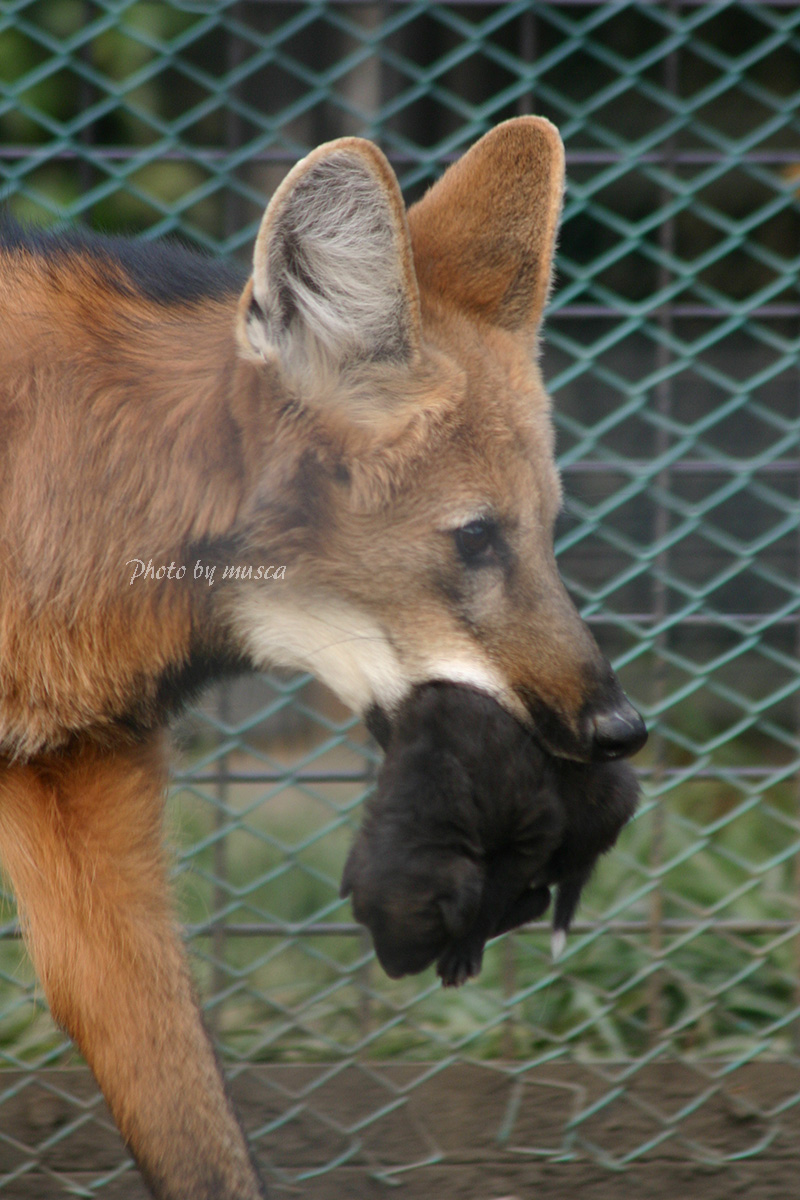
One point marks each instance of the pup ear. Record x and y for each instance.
(459, 904)
(484, 235)
(333, 277)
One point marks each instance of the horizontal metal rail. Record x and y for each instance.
(686, 466)
(403, 158)
(686, 311)
(310, 778)
(295, 929)
(205, 6)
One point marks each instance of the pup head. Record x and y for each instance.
(413, 902)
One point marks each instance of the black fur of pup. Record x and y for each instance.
(469, 828)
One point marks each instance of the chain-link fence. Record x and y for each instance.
(670, 1029)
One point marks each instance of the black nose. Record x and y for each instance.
(617, 734)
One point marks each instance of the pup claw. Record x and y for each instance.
(456, 965)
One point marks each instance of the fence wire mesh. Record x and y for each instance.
(671, 354)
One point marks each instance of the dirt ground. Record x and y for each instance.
(464, 1132)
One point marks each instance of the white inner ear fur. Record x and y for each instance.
(328, 282)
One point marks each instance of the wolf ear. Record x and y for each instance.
(333, 275)
(484, 235)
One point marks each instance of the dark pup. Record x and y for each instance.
(470, 826)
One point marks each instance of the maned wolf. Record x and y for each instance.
(469, 828)
(366, 416)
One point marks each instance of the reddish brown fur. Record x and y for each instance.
(261, 429)
(507, 276)
(81, 842)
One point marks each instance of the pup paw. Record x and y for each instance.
(459, 962)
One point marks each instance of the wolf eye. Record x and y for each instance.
(475, 539)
